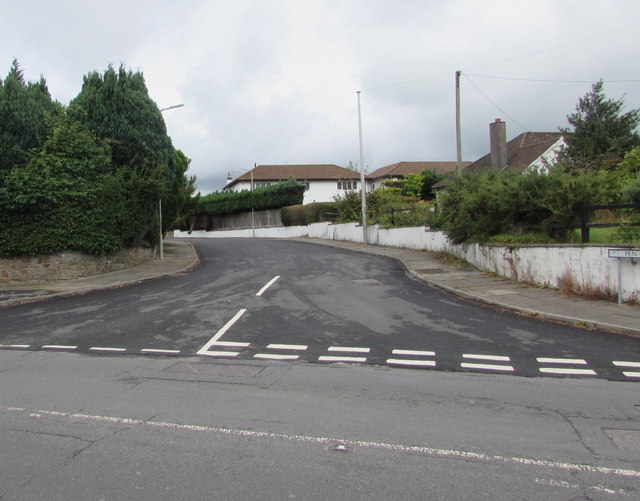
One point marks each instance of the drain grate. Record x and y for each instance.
(220, 370)
(625, 439)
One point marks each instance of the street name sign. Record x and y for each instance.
(625, 253)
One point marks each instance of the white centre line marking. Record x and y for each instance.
(271, 282)
(205, 349)
(488, 367)
(154, 350)
(98, 348)
(495, 358)
(574, 361)
(414, 352)
(275, 356)
(356, 360)
(300, 347)
(574, 372)
(417, 363)
(232, 344)
(632, 374)
(15, 345)
(626, 364)
(59, 347)
(349, 349)
(324, 441)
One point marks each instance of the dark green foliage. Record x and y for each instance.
(273, 196)
(302, 215)
(479, 205)
(23, 108)
(58, 201)
(419, 185)
(602, 133)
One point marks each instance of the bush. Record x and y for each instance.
(302, 215)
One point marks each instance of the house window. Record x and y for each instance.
(347, 185)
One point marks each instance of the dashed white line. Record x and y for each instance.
(275, 356)
(417, 363)
(232, 344)
(271, 282)
(58, 347)
(495, 358)
(349, 349)
(300, 347)
(570, 361)
(573, 372)
(619, 363)
(157, 350)
(631, 374)
(357, 360)
(417, 353)
(487, 367)
(15, 345)
(99, 348)
(221, 353)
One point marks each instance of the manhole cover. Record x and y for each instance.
(221, 370)
(625, 439)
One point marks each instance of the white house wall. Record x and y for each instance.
(319, 191)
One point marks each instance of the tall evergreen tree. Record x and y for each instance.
(23, 110)
(602, 133)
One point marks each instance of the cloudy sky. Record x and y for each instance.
(275, 81)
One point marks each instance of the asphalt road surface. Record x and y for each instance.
(292, 301)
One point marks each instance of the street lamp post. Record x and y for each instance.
(161, 236)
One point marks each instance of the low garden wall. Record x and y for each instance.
(27, 270)
(585, 268)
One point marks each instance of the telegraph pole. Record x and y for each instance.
(363, 188)
(458, 129)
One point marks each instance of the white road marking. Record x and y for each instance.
(232, 344)
(59, 347)
(220, 353)
(399, 448)
(417, 363)
(488, 367)
(271, 282)
(98, 348)
(154, 350)
(300, 347)
(275, 356)
(495, 358)
(574, 361)
(15, 345)
(205, 349)
(574, 372)
(626, 364)
(326, 358)
(414, 352)
(349, 349)
(632, 374)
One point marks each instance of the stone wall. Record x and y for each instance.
(27, 270)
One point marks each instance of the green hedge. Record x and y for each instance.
(301, 215)
(274, 196)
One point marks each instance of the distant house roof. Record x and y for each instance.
(403, 168)
(522, 151)
(304, 172)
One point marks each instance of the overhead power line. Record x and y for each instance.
(494, 77)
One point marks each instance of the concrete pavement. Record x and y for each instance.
(454, 277)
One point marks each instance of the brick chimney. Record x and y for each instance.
(498, 140)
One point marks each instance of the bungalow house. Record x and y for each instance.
(325, 181)
(399, 170)
(528, 151)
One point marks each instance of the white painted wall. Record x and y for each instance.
(587, 265)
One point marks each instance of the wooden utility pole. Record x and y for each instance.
(458, 133)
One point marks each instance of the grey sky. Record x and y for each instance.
(272, 82)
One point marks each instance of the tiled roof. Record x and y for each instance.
(403, 168)
(522, 151)
(313, 172)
